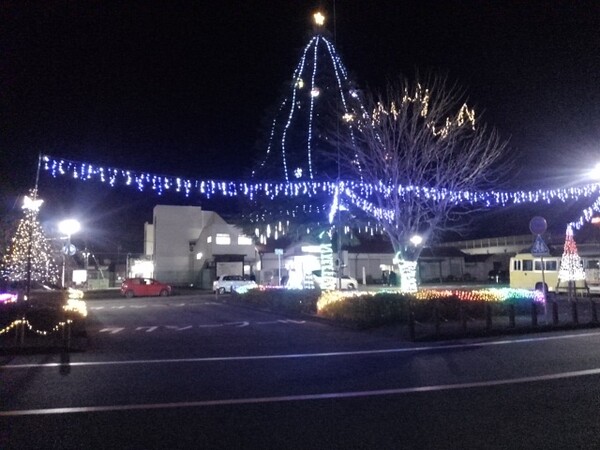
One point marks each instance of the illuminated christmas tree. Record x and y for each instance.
(29, 256)
(299, 147)
(571, 266)
(314, 105)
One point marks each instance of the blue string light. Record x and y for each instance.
(357, 192)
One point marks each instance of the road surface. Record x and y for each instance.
(194, 372)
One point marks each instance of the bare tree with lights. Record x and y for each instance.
(419, 143)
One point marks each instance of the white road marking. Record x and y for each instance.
(242, 324)
(148, 329)
(238, 324)
(111, 330)
(276, 322)
(301, 355)
(305, 397)
(97, 308)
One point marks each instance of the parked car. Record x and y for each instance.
(144, 287)
(348, 282)
(498, 276)
(230, 283)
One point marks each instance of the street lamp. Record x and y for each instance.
(68, 227)
(595, 173)
(416, 240)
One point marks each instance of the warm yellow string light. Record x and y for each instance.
(25, 322)
(421, 98)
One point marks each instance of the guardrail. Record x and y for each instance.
(553, 315)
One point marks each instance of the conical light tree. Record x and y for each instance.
(571, 266)
(29, 256)
(297, 142)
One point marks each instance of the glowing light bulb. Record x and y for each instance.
(596, 172)
(31, 204)
(314, 92)
(319, 18)
(416, 239)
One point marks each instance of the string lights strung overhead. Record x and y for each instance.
(356, 193)
(320, 72)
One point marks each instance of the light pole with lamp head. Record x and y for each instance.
(68, 227)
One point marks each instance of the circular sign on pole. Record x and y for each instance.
(69, 249)
(538, 225)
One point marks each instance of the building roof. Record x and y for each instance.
(441, 252)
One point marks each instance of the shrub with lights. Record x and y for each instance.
(371, 309)
(45, 316)
(368, 309)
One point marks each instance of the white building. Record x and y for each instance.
(190, 246)
(299, 260)
(185, 245)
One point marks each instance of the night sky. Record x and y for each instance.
(183, 88)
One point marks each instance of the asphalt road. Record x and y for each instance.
(193, 372)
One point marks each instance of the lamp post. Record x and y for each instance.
(67, 227)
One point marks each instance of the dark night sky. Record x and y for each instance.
(182, 87)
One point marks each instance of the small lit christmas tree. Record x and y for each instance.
(327, 271)
(571, 266)
(29, 256)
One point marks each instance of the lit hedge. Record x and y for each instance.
(369, 309)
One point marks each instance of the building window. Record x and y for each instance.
(592, 264)
(209, 239)
(223, 239)
(244, 240)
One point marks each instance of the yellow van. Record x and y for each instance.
(526, 273)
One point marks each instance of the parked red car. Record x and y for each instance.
(144, 287)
